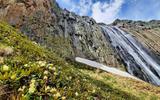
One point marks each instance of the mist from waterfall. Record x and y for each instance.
(138, 62)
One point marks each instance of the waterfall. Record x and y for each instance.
(138, 62)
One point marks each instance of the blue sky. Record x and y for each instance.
(107, 11)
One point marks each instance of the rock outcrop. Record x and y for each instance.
(87, 38)
(15, 11)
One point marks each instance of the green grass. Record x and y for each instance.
(31, 72)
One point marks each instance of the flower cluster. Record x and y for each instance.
(38, 78)
(42, 63)
(32, 87)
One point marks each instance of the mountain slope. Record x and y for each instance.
(37, 73)
(37, 70)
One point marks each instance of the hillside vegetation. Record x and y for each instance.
(28, 71)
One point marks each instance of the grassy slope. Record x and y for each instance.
(69, 80)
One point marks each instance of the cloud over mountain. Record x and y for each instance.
(107, 11)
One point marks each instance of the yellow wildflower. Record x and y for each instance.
(25, 65)
(63, 98)
(5, 68)
(53, 90)
(94, 91)
(52, 68)
(33, 81)
(13, 77)
(47, 88)
(57, 95)
(32, 87)
(31, 90)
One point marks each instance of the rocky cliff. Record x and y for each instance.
(59, 30)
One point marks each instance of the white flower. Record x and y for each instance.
(50, 65)
(42, 63)
(34, 42)
(55, 73)
(45, 77)
(46, 72)
(63, 98)
(52, 68)
(76, 94)
(21, 89)
(70, 77)
(5, 68)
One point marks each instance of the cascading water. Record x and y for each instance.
(139, 62)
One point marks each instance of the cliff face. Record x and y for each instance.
(61, 31)
(16, 11)
(87, 38)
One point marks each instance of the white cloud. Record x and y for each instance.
(101, 12)
(85, 7)
(81, 7)
(106, 12)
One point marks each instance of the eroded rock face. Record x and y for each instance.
(15, 11)
(87, 38)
